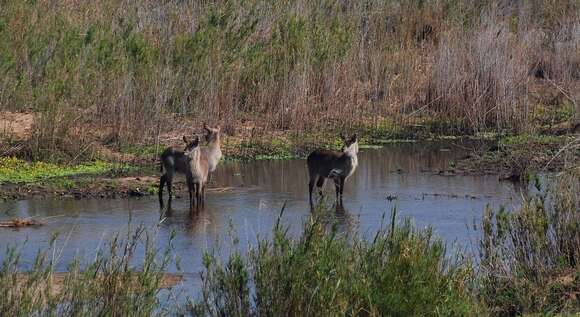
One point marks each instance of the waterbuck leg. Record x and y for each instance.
(310, 188)
(168, 183)
(190, 191)
(320, 184)
(337, 188)
(203, 195)
(198, 196)
(341, 188)
(162, 181)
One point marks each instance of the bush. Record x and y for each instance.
(401, 272)
(530, 259)
(108, 285)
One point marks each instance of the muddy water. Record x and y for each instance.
(402, 176)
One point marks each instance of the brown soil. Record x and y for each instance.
(15, 125)
(98, 187)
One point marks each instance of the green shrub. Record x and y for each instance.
(401, 272)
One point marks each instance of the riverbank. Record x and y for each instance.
(134, 170)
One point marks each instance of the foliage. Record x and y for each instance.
(107, 285)
(402, 271)
(129, 67)
(13, 170)
(530, 259)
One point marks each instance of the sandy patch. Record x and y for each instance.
(16, 125)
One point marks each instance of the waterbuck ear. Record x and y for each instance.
(195, 141)
(342, 136)
(353, 139)
(185, 140)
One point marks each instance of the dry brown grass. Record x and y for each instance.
(128, 70)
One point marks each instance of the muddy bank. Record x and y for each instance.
(99, 187)
(519, 158)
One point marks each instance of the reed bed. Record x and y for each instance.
(123, 71)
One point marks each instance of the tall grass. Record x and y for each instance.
(129, 68)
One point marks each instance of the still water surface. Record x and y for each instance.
(401, 176)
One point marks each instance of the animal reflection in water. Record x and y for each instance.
(197, 162)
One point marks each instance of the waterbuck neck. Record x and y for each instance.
(214, 143)
(351, 150)
(194, 157)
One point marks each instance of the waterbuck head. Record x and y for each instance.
(212, 134)
(350, 144)
(190, 145)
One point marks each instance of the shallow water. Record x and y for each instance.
(401, 176)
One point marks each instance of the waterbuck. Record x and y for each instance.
(198, 170)
(323, 164)
(212, 152)
(174, 161)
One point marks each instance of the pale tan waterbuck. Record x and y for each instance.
(323, 164)
(212, 152)
(197, 176)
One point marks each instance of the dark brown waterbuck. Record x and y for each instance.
(323, 164)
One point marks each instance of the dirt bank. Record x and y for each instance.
(96, 187)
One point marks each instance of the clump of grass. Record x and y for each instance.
(402, 272)
(108, 285)
(530, 259)
(14, 170)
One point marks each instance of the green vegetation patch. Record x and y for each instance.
(401, 272)
(13, 170)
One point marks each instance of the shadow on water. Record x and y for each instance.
(401, 176)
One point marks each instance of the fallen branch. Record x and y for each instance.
(20, 222)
